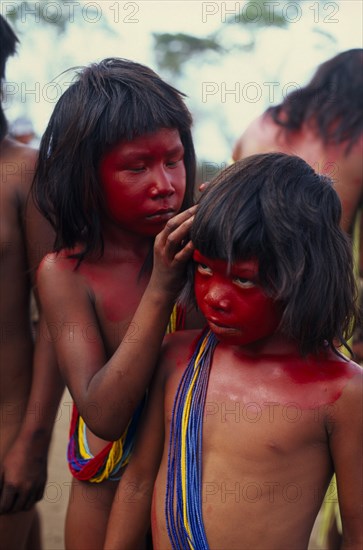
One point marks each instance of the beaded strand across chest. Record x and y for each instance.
(183, 501)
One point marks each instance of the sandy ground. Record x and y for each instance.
(54, 504)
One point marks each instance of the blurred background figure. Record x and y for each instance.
(22, 130)
(28, 403)
(323, 123)
(16, 349)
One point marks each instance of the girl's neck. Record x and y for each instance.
(277, 344)
(124, 243)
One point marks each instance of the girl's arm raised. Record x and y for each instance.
(107, 392)
(130, 515)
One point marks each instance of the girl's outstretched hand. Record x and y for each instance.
(172, 250)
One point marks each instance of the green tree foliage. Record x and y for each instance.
(237, 31)
(172, 50)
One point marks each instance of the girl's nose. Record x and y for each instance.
(216, 298)
(161, 185)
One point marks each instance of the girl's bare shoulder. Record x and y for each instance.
(54, 262)
(58, 269)
(178, 347)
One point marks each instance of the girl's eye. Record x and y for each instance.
(242, 282)
(204, 269)
(136, 169)
(173, 163)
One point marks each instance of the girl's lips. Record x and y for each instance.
(215, 324)
(161, 215)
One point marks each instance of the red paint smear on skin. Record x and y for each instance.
(313, 371)
(324, 380)
(105, 282)
(181, 362)
(114, 303)
(311, 390)
(282, 379)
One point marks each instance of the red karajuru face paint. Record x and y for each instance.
(144, 181)
(235, 306)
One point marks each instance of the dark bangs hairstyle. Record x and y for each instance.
(332, 102)
(110, 101)
(8, 42)
(275, 208)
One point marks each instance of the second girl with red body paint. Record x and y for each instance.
(248, 420)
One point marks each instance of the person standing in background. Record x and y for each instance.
(29, 397)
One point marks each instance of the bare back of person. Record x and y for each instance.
(263, 135)
(16, 163)
(268, 427)
(16, 348)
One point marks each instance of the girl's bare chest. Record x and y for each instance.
(115, 293)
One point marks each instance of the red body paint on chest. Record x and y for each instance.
(289, 378)
(320, 380)
(119, 292)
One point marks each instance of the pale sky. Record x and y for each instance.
(225, 93)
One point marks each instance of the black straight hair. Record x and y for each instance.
(275, 208)
(8, 42)
(332, 102)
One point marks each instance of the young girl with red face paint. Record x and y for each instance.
(248, 421)
(116, 165)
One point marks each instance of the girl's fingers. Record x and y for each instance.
(179, 236)
(177, 228)
(185, 253)
(179, 219)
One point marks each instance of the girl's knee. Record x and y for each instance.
(87, 515)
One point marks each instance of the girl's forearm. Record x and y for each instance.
(116, 390)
